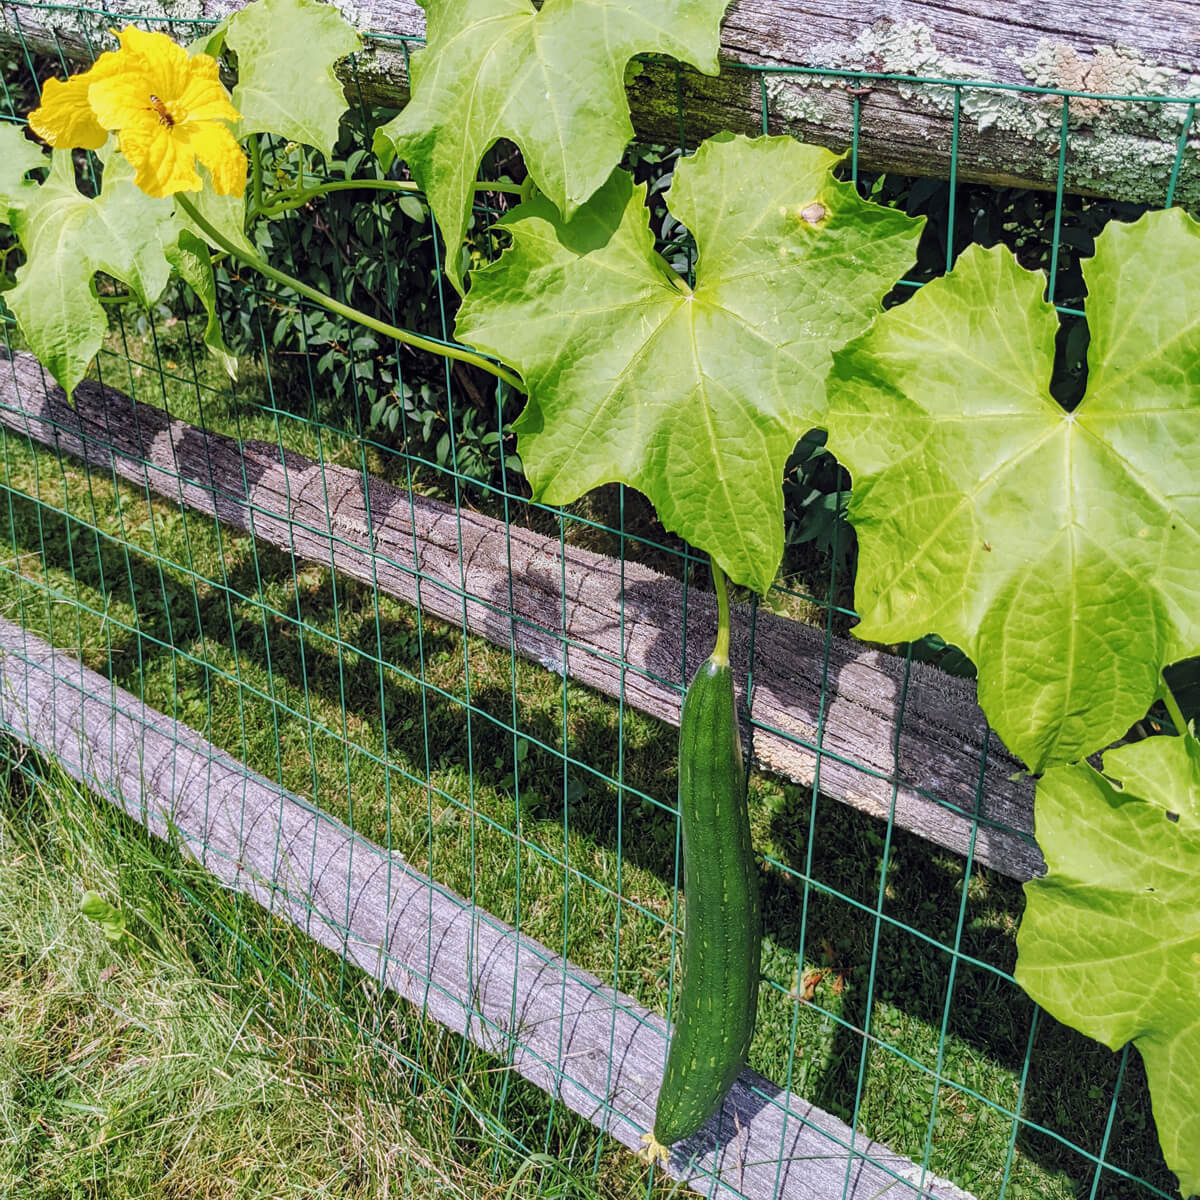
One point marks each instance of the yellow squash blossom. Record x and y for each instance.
(168, 110)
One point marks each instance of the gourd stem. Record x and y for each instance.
(720, 652)
(344, 310)
(291, 198)
(1168, 698)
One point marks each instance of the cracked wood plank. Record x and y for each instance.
(898, 741)
(1106, 46)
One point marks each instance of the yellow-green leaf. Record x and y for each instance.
(189, 257)
(695, 397)
(1110, 941)
(1060, 550)
(286, 85)
(67, 238)
(552, 81)
(18, 156)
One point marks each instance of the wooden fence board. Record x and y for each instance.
(1105, 46)
(560, 1027)
(896, 740)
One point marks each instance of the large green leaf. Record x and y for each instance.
(1110, 941)
(1060, 550)
(18, 156)
(551, 81)
(286, 50)
(67, 238)
(696, 398)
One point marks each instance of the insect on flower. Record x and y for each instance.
(168, 109)
(164, 114)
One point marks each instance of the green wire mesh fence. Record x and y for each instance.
(887, 998)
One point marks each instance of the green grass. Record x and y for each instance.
(501, 780)
(205, 1052)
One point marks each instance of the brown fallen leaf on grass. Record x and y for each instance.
(807, 984)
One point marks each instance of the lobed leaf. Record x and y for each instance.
(1060, 550)
(67, 238)
(286, 50)
(552, 81)
(18, 156)
(1110, 940)
(190, 259)
(695, 397)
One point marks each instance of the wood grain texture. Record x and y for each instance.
(1111, 47)
(896, 740)
(563, 1029)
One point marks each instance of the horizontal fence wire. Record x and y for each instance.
(545, 805)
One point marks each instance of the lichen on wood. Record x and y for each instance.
(1117, 147)
(1007, 136)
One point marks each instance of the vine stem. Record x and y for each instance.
(256, 174)
(720, 654)
(293, 198)
(1168, 698)
(461, 354)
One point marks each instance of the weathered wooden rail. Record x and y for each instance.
(596, 1049)
(899, 741)
(1100, 47)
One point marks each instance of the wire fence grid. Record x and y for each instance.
(544, 804)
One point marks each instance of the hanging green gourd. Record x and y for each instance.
(722, 940)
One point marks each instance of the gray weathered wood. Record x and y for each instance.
(1107, 46)
(558, 1026)
(899, 741)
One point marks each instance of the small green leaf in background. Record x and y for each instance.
(413, 208)
(1060, 551)
(696, 398)
(286, 50)
(110, 919)
(67, 238)
(189, 257)
(1110, 941)
(551, 81)
(18, 156)
(226, 214)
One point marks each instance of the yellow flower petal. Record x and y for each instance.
(165, 162)
(123, 99)
(163, 61)
(65, 119)
(205, 99)
(219, 151)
